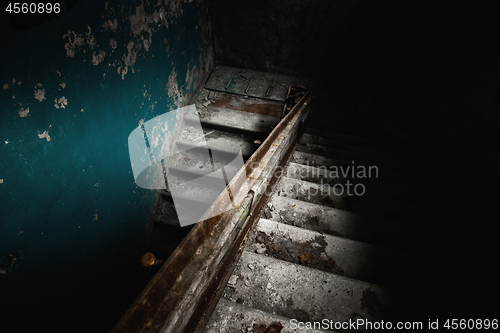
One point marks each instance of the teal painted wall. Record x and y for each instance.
(73, 90)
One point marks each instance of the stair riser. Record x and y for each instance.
(304, 294)
(344, 224)
(234, 317)
(383, 173)
(374, 186)
(352, 197)
(333, 254)
(234, 121)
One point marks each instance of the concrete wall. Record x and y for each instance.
(73, 90)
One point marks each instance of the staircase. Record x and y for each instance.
(319, 255)
(335, 232)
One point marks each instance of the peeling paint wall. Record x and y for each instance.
(73, 90)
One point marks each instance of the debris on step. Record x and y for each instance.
(232, 280)
(260, 248)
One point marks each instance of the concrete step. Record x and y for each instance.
(198, 175)
(358, 158)
(337, 222)
(374, 186)
(220, 141)
(234, 317)
(321, 141)
(382, 173)
(306, 294)
(337, 197)
(197, 162)
(336, 255)
(233, 121)
(357, 140)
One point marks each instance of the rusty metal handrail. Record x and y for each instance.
(182, 294)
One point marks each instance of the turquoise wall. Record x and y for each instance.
(73, 90)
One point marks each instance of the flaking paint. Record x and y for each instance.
(88, 78)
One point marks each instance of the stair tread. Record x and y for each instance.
(233, 317)
(233, 120)
(395, 176)
(337, 197)
(374, 186)
(346, 224)
(219, 140)
(192, 164)
(333, 254)
(295, 291)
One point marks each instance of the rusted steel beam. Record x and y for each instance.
(176, 296)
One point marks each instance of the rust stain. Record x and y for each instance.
(235, 103)
(265, 109)
(306, 258)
